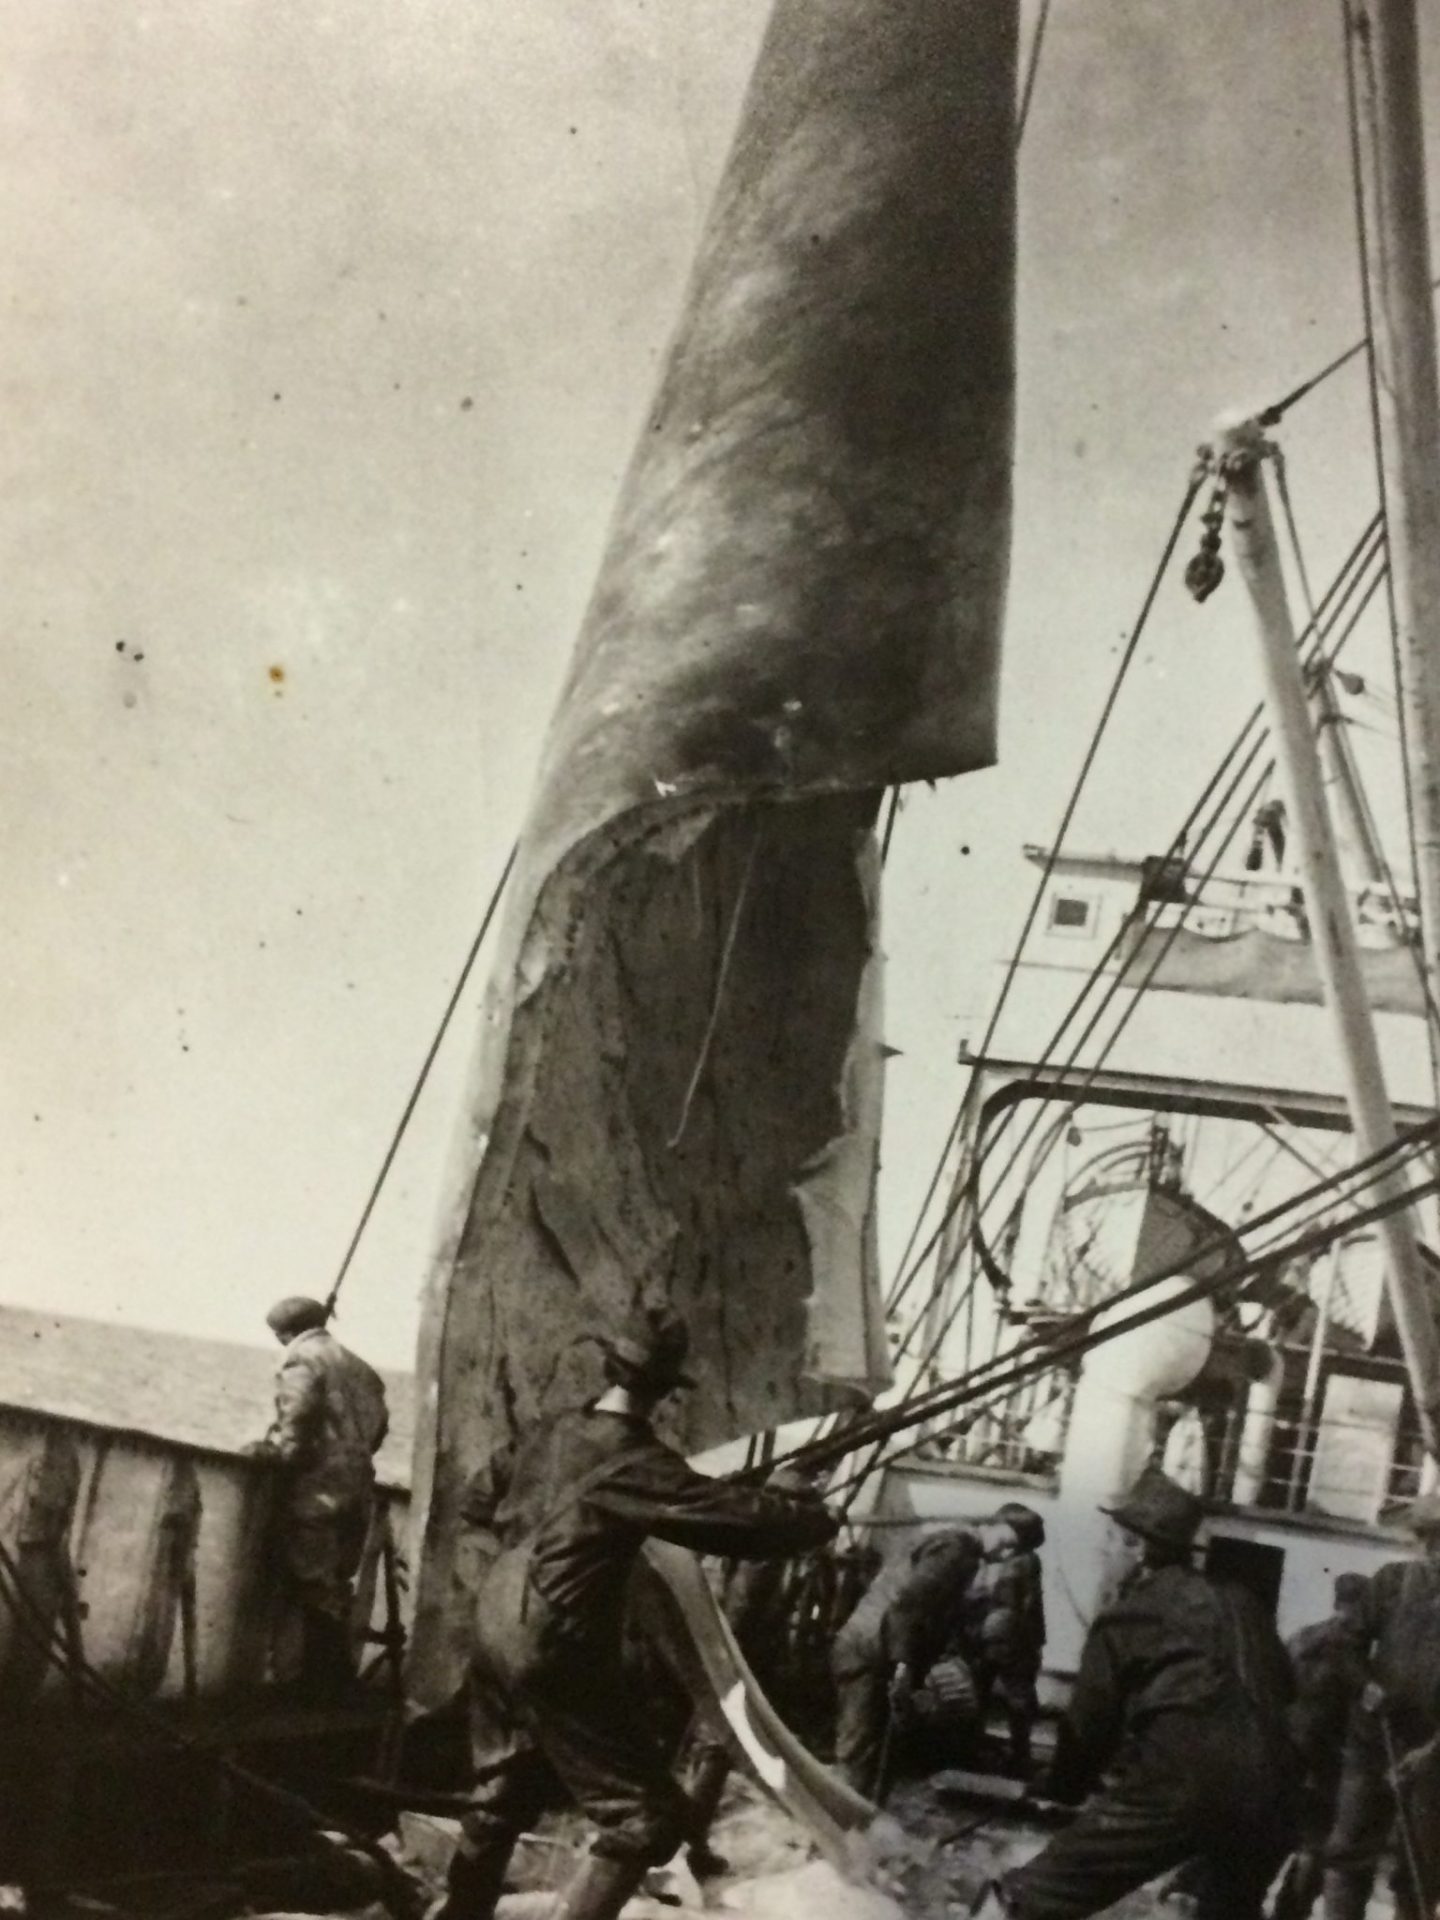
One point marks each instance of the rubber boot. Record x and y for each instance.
(706, 1788)
(1347, 1895)
(475, 1881)
(600, 1889)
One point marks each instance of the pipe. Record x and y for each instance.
(1257, 1434)
(1110, 1439)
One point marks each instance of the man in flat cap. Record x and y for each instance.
(330, 1419)
(551, 1707)
(1390, 1784)
(1175, 1729)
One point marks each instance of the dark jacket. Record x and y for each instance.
(330, 1418)
(1401, 1615)
(1178, 1662)
(1328, 1661)
(911, 1611)
(1004, 1617)
(581, 1496)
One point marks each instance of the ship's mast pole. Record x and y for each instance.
(1383, 45)
(1240, 450)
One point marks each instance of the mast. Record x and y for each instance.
(1382, 43)
(1240, 451)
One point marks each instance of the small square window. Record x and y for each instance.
(1071, 913)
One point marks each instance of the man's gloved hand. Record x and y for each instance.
(798, 1483)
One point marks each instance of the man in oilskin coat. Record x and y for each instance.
(1176, 1729)
(330, 1419)
(550, 1707)
(1390, 1783)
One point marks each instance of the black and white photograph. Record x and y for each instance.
(720, 1123)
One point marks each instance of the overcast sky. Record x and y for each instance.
(326, 334)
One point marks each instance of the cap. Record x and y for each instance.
(296, 1313)
(1025, 1522)
(1159, 1510)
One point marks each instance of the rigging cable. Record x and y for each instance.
(1387, 873)
(1032, 69)
(332, 1297)
(1320, 1197)
(1170, 936)
(1335, 599)
(969, 1189)
(1044, 1352)
(1174, 852)
(1107, 709)
(1180, 850)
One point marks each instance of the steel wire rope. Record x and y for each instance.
(967, 1189)
(1339, 592)
(1114, 980)
(976, 1232)
(976, 1235)
(1311, 1204)
(1027, 92)
(903, 1283)
(1174, 851)
(1032, 1358)
(333, 1296)
(1179, 848)
(1323, 1195)
(1107, 709)
(1044, 1353)
(1362, 799)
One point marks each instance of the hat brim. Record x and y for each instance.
(1131, 1525)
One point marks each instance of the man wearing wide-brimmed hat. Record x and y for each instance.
(1390, 1787)
(552, 1708)
(1179, 1708)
